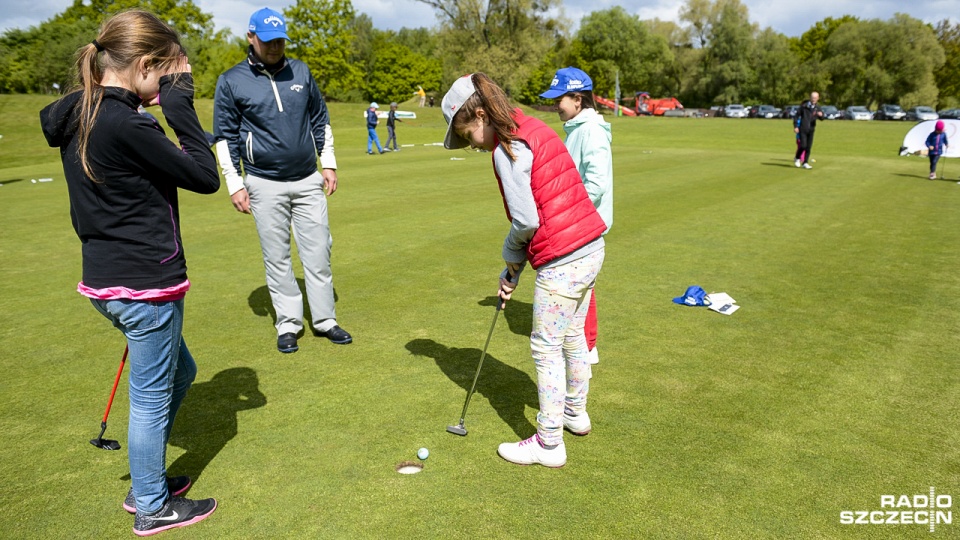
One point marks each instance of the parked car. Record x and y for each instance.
(789, 111)
(889, 112)
(919, 114)
(735, 110)
(831, 113)
(857, 112)
(952, 114)
(764, 111)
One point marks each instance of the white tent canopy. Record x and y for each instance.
(915, 141)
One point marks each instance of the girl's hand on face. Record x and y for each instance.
(182, 66)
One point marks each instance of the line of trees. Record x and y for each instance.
(714, 55)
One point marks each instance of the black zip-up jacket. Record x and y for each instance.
(806, 119)
(273, 122)
(128, 219)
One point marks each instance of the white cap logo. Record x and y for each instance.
(274, 20)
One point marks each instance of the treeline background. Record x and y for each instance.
(714, 55)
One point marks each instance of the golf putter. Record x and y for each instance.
(100, 442)
(459, 429)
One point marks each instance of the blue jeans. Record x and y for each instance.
(372, 138)
(161, 372)
(934, 158)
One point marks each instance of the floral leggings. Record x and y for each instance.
(560, 302)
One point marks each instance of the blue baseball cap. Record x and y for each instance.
(693, 296)
(268, 25)
(568, 79)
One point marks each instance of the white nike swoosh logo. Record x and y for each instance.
(168, 518)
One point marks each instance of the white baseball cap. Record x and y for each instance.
(458, 94)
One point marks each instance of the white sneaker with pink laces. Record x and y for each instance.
(531, 451)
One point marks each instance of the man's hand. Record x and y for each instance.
(241, 201)
(329, 180)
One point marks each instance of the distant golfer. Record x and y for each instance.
(588, 141)
(555, 227)
(936, 145)
(123, 175)
(804, 125)
(372, 122)
(392, 128)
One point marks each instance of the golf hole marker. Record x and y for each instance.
(409, 467)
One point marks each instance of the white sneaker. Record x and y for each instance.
(593, 357)
(807, 166)
(578, 425)
(796, 163)
(530, 451)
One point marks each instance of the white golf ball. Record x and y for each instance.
(423, 453)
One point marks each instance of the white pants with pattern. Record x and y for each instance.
(560, 302)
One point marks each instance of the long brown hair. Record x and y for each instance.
(124, 40)
(493, 100)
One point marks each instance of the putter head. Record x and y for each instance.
(458, 430)
(105, 444)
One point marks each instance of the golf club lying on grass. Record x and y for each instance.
(100, 442)
(459, 429)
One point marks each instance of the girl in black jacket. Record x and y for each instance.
(123, 174)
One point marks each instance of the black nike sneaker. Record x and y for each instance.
(176, 512)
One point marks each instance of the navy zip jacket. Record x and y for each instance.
(128, 219)
(273, 123)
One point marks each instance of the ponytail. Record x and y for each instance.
(90, 74)
(493, 100)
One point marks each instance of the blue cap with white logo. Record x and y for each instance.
(568, 79)
(268, 25)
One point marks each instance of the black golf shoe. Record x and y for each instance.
(337, 335)
(178, 485)
(287, 343)
(176, 512)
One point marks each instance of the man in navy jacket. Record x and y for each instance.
(270, 119)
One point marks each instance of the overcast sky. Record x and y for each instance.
(788, 17)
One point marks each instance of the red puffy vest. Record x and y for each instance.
(568, 219)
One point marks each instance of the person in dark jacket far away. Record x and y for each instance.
(270, 118)
(123, 175)
(554, 227)
(804, 124)
(392, 128)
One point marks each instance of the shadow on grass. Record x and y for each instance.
(519, 315)
(207, 419)
(924, 177)
(11, 181)
(261, 305)
(509, 390)
(786, 165)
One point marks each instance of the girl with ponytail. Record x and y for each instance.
(123, 175)
(554, 227)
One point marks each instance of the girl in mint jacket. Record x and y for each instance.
(588, 141)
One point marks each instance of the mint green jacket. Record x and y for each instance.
(588, 141)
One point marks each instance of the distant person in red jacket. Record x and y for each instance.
(554, 227)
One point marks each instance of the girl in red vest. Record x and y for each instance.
(554, 227)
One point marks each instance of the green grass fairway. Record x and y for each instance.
(837, 382)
